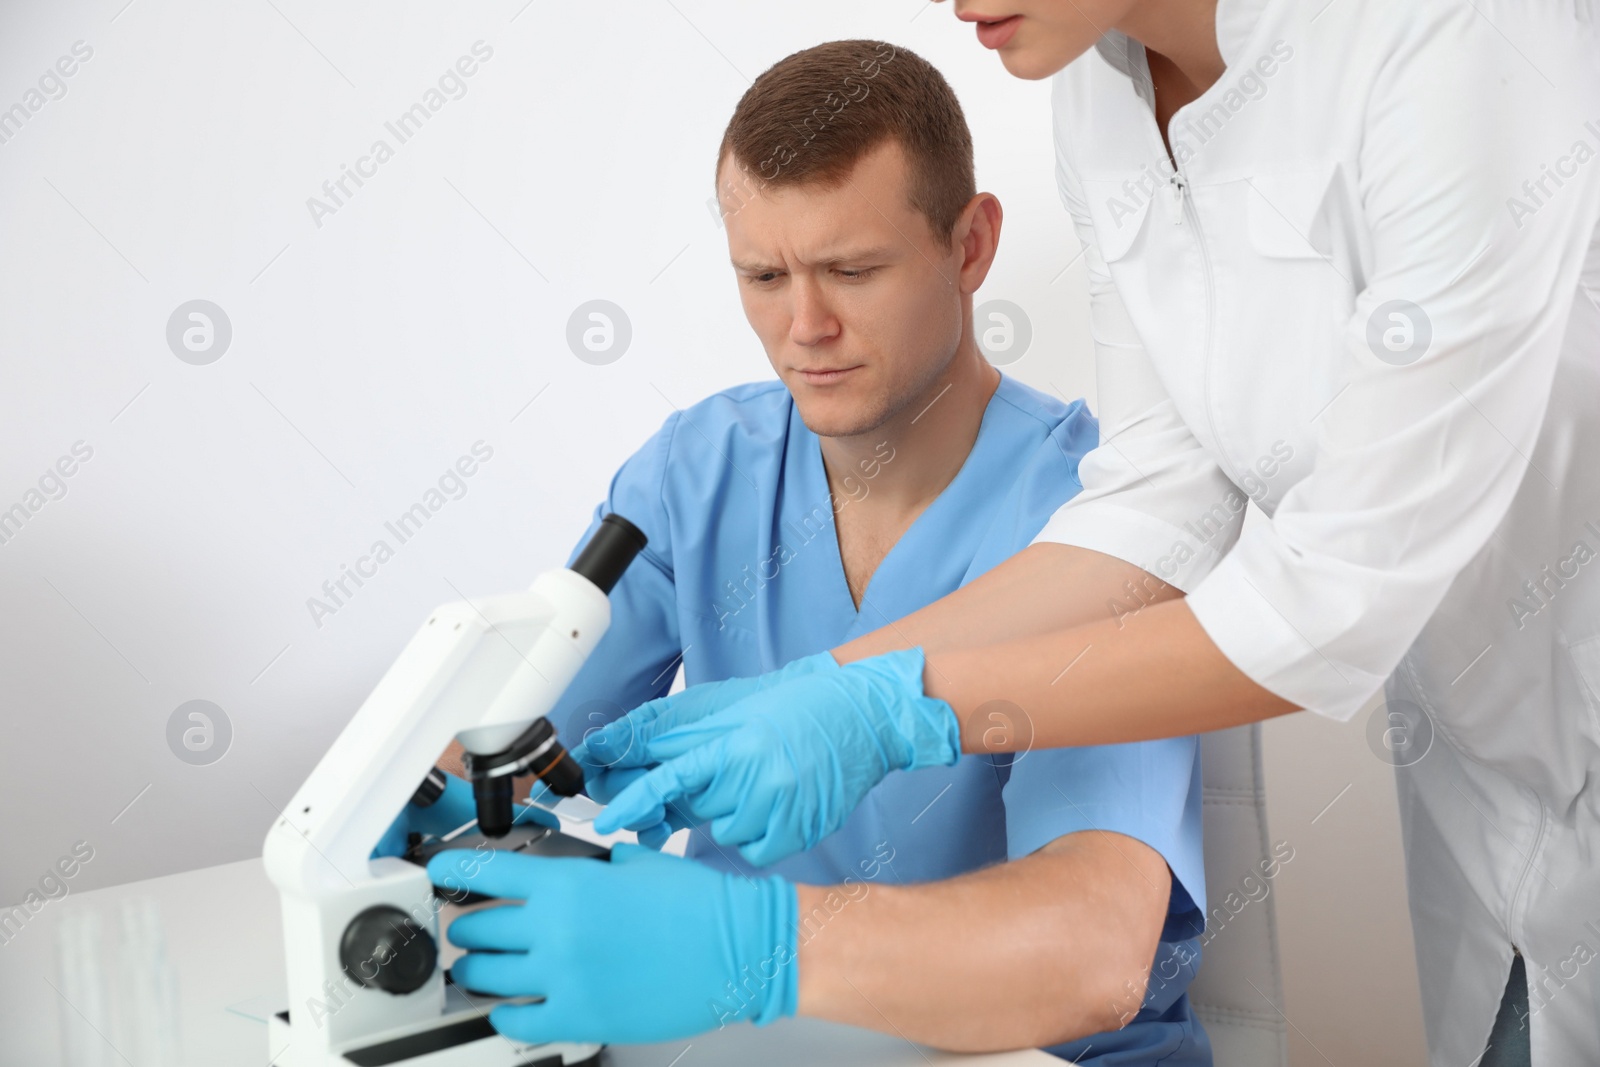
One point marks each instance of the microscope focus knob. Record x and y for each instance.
(383, 948)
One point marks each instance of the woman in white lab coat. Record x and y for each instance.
(1361, 289)
(1343, 261)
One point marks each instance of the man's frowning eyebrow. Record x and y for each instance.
(857, 256)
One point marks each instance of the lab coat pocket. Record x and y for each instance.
(1118, 208)
(1586, 661)
(1284, 213)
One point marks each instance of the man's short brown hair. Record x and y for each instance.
(811, 116)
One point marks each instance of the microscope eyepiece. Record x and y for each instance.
(609, 552)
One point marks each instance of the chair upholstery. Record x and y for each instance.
(1238, 992)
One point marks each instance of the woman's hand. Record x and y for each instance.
(615, 755)
(779, 770)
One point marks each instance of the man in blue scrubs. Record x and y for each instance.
(1049, 899)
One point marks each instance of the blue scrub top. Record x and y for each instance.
(742, 574)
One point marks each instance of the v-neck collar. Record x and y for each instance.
(816, 486)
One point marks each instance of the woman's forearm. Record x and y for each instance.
(1063, 646)
(1044, 588)
(1150, 674)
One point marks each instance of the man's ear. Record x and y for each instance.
(977, 232)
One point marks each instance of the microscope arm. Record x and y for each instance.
(485, 673)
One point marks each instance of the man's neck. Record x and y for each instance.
(930, 440)
(883, 480)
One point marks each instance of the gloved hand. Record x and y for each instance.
(455, 807)
(783, 768)
(606, 784)
(614, 756)
(644, 948)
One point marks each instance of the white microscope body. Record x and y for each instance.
(364, 985)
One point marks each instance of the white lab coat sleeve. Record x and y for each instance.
(1149, 482)
(1417, 461)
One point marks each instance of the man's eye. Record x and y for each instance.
(764, 278)
(858, 274)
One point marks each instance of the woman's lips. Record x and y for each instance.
(997, 34)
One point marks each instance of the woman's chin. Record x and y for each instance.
(1029, 64)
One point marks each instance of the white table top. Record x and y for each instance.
(223, 939)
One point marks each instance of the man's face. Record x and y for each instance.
(857, 303)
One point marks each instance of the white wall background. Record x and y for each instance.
(368, 353)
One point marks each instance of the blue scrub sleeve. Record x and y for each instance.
(1149, 790)
(637, 658)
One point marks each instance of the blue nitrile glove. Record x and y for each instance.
(455, 808)
(614, 756)
(606, 784)
(780, 770)
(644, 948)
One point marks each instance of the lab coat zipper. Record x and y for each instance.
(1184, 208)
(1515, 910)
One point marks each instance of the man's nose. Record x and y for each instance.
(812, 321)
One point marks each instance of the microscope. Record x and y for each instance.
(361, 935)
